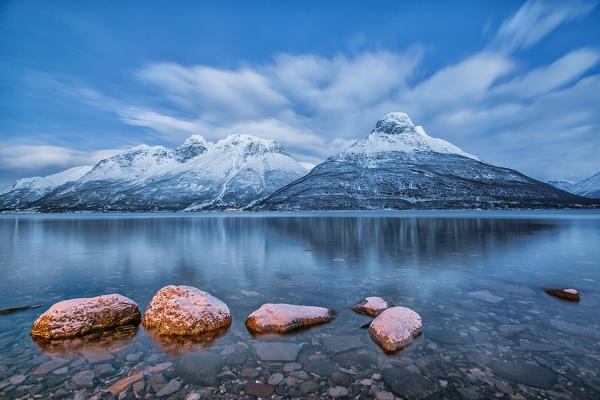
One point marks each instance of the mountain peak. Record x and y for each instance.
(396, 132)
(194, 140)
(395, 123)
(193, 146)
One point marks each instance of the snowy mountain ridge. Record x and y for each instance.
(198, 174)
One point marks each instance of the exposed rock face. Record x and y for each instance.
(78, 317)
(373, 306)
(281, 318)
(567, 294)
(186, 311)
(395, 328)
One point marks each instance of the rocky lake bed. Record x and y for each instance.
(489, 329)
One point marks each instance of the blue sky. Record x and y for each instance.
(516, 83)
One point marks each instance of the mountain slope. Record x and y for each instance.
(399, 166)
(589, 187)
(562, 185)
(197, 175)
(27, 190)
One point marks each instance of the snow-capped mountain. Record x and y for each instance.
(399, 166)
(198, 175)
(589, 187)
(27, 190)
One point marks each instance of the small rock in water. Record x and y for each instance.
(199, 368)
(395, 328)
(485, 296)
(250, 293)
(567, 294)
(275, 379)
(78, 317)
(84, 379)
(250, 373)
(337, 391)
(292, 367)
(527, 374)
(258, 389)
(276, 351)
(281, 318)
(173, 386)
(17, 379)
(309, 387)
(134, 357)
(124, 383)
(49, 366)
(186, 311)
(372, 306)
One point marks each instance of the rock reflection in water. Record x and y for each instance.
(105, 340)
(183, 344)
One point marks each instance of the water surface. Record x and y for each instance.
(476, 279)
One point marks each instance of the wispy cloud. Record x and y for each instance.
(34, 157)
(536, 19)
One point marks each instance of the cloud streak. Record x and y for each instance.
(33, 157)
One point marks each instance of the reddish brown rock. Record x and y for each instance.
(261, 390)
(186, 311)
(124, 383)
(372, 306)
(395, 328)
(567, 294)
(78, 317)
(281, 318)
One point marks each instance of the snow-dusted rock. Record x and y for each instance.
(372, 306)
(395, 328)
(281, 318)
(399, 166)
(78, 317)
(567, 294)
(186, 311)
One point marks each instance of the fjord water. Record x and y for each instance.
(476, 278)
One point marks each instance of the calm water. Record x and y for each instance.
(475, 278)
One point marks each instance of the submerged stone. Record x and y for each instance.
(199, 368)
(408, 384)
(527, 374)
(186, 311)
(485, 295)
(78, 317)
(281, 318)
(276, 351)
(372, 306)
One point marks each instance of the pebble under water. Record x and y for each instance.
(477, 279)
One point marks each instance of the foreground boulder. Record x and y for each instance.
(567, 294)
(281, 318)
(77, 317)
(395, 328)
(186, 311)
(372, 306)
